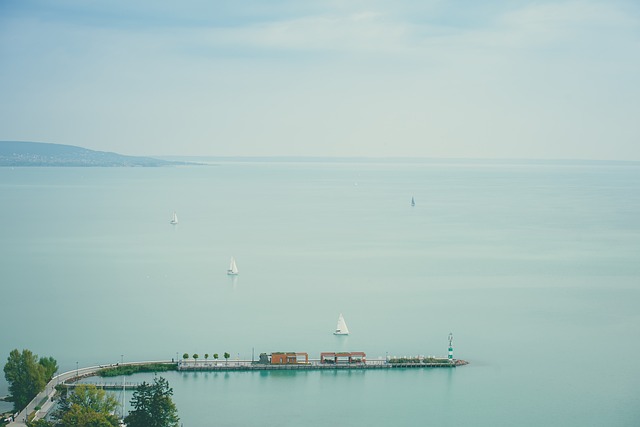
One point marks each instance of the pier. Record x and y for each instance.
(247, 365)
(105, 386)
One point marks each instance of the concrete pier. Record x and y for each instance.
(247, 365)
(105, 386)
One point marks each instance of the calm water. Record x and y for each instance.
(534, 267)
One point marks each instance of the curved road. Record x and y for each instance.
(50, 390)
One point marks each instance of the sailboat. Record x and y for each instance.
(413, 202)
(174, 218)
(341, 329)
(233, 268)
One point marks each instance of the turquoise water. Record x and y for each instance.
(534, 267)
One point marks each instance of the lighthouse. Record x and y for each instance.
(450, 347)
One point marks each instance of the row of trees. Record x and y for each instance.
(88, 406)
(27, 375)
(196, 356)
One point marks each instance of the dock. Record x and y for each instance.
(247, 365)
(104, 386)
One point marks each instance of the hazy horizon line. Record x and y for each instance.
(353, 158)
(372, 159)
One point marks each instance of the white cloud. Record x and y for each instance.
(557, 24)
(528, 82)
(365, 31)
(568, 14)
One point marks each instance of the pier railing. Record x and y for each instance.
(313, 364)
(106, 385)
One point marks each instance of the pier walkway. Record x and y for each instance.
(248, 365)
(106, 386)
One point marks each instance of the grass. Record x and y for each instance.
(135, 369)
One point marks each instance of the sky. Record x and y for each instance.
(404, 78)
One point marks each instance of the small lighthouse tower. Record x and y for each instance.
(450, 347)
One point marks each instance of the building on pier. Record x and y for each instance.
(343, 358)
(289, 358)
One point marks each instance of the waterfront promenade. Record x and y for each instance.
(44, 400)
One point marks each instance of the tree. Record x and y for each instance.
(195, 357)
(26, 376)
(206, 356)
(153, 406)
(215, 356)
(50, 367)
(227, 356)
(87, 406)
(185, 356)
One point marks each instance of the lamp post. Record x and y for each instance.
(123, 384)
(76, 371)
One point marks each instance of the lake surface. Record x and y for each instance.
(533, 266)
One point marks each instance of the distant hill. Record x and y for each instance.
(17, 153)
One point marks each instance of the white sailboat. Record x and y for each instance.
(341, 329)
(413, 202)
(174, 218)
(233, 268)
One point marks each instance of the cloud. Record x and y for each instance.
(360, 32)
(539, 79)
(556, 24)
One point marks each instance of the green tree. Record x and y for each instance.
(26, 377)
(227, 356)
(215, 356)
(195, 357)
(206, 356)
(50, 367)
(185, 356)
(87, 406)
(153, 406)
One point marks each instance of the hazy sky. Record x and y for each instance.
(424, 78)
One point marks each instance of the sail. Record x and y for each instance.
(174, 218)
(233, 268)
(341, 329)
(413, 202)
